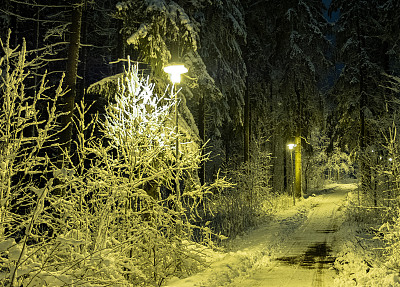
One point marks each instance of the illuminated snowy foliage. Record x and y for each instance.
(109, 218)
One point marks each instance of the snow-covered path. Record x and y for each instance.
(296, 249)
(304, 259)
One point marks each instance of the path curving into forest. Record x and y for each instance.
(304, 257)
(296, 248)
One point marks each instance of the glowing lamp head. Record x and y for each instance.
(175, 71)
(291, 146)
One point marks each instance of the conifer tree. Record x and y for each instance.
(199, 35)
(295, 62)
(360, 96)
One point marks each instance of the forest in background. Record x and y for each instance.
(87, 139)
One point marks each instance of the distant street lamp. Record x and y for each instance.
(291, 147)
(175, 70)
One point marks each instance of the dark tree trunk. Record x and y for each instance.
(364, 166)
(285, 167)
(37, 45)
(120, 49)
(246, 122)
(202, 134)
(83, 67)
(14, 23)
(68, 100)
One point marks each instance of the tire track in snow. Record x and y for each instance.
(295, 233)
(304, 258)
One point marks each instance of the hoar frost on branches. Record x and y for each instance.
(26, 135)
(140, 126)
(110, 226)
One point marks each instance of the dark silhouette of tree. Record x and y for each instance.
(362, 45)
(288, 54)
(68, 101)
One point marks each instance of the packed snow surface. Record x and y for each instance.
(295, 248)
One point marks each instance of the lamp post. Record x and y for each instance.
(291, 147)
(175, 70)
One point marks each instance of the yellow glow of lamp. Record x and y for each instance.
(175, 70)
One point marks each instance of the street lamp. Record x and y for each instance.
(175, 70)
(291, 147)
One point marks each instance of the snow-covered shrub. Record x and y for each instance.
(315, 160)
(134, 182)
(140, 175)
(27, 132)
(338, 163)
(363, 259)
(389, 173)
(241, 206)
(370, 254)
(356, 270)
(135, 219)
(322, 163)
(117, 220)
(391, 236)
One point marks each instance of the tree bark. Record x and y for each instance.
(246, 122)
(14, 22)
(202, 134)
(285, 167)
(84, 51)
(68, 101)
(120, 49)
(364, 166)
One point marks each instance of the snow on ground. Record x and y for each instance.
(361, 258)
(296, 248)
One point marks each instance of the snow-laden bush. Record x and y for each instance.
(390, 170)
(362, 260)
(28, 129)
(249, 200)
(109, 216)
(371, 255)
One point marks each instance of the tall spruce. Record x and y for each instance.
(298, 60)
(360, 96)
(222, 37)
(209, 44)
